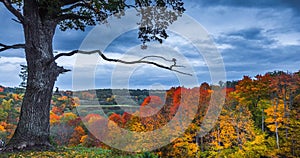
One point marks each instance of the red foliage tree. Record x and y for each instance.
(117, 119)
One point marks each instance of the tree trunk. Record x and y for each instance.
(201, 144)
(285, 115)
(33, 129)
(276, 123)
(262, 120)
(200, 138)
(219, 139)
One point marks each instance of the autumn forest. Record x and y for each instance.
(259, 118)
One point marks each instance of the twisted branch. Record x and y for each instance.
(140, 61)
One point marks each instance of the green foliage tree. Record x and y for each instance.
(39, 19)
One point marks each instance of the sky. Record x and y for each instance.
(251, 37)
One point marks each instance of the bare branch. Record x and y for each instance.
(17, 21)
(140, 61)
(15, 46)
(8, 5)
(76, 5)
(156, 56)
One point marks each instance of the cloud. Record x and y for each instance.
(292, 4)
(254, 51)
(13, 53)
(248, 39)
(252, 36)
(9, 70)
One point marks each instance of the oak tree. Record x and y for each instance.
(40, 18)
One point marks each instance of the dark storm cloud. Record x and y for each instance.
(250, 34)
(254, 36)
(249, 39)
(293, 4)
(252, 51)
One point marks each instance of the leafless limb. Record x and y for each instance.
(15, 46)
(17, 21)
(172, 60)
(140, 61)
(8, 5)
(77, 5)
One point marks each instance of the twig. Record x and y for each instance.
(17, 21)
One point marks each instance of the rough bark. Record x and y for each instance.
(33, 129)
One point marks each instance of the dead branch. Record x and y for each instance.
(140, 61)
(15, 46)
